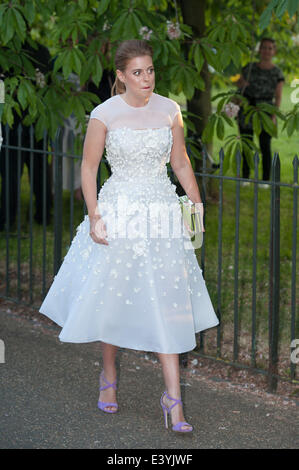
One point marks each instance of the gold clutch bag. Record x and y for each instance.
(192, 221)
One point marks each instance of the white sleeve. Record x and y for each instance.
(99, 113)
(174, 111)
(116, 113)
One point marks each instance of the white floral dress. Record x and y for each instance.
(144, 290)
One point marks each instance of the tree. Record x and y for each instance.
(82, 36)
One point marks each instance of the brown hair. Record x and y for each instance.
(269, 40)
(126, 51)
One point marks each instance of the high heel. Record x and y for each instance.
(102, 404)
(166, 410)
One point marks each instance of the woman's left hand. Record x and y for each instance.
(200, 209)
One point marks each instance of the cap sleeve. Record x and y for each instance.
(99, 113)
(176, 109)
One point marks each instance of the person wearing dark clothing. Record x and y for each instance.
(42, 60)
(260, 82)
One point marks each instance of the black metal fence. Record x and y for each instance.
(255, 333)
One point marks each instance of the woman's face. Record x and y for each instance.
(267, 50)
(139, 76)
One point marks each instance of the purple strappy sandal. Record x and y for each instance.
(102, 404)
(166, 410)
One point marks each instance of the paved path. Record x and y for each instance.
(49, 395)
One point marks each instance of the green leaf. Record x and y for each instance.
(281, 8)
(12, 83)
(222, 33)
(76, 61)
(136, 22)
(104, 4)
(220, 128)
(291, 125)
(82, 4)
(292, 7)
(29, 11)
(189, 124)
(86, 70)
(67, 64)
(227, 158)
(268, 124)
(66, 33)
(265, 17)
(78, 108)
(157, 50)
(104, 171)
(22, 95)
(9, 22)
(213, 35)
(239, 150)
(8, 115)
(221, 104)
(1, 110)
(74, 35)
(118, 26)
(2, 10)
(198, 58)
(256, 124)
(225, 56)
(208, 131)
(195, 151)
(173, 47)
(234, 158)
(211, 57)
(98, 71)
(59, 61)
(228, 120)
(234, 32)
(40, 126)
(248, 155)
(20, 23)
(165, 51)
(236, 55)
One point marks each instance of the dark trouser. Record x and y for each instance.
(265, 146)
(12, 181)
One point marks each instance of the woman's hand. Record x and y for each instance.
(97, 229)
(198, 208)
(242, 83)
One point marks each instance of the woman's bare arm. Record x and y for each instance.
(93, 149)
(182, 167)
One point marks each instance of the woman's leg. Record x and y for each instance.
(109, 354)
(171, 373)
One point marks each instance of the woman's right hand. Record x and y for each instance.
(97, 229)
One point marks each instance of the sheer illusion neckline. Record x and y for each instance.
(125, 128)
(136, 107)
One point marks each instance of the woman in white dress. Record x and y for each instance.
(126, 280)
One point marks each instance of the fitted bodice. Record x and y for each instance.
(138, 153)
(138, 147)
